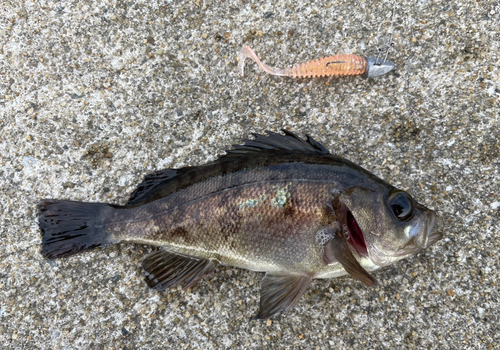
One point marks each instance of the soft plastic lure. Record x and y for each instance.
(344, 64)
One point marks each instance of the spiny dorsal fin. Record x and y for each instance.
(278, 142)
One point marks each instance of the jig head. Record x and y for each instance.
(377, 67)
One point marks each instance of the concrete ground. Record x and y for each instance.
(96, 94)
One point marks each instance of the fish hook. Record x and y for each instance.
(388, 41)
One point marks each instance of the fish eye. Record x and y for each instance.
(401, 205)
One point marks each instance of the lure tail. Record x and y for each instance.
(70, 227)
(247, 52)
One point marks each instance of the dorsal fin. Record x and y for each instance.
(164, 182)
(151, 184)
(278, 142)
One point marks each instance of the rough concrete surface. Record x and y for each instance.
(96, 94)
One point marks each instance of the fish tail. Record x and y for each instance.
(70, 227)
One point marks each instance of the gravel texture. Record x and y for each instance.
(96, 94)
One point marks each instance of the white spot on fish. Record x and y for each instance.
(253, 202)
(282, 197)
(408, 231)
(335, 192)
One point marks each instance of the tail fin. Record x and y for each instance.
(70, 227)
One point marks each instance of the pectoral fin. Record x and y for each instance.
(166, 269)
(337, 249)
(281, 292)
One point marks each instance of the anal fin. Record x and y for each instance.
(337, 249)
(281, 292)
(166, 269)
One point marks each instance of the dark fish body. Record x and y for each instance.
(229, 215)
(277, 204)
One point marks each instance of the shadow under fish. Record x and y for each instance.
(277, 204)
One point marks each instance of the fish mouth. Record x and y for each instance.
(354, 235)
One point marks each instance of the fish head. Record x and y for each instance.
(387, 225)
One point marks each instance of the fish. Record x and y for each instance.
(278, 204)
